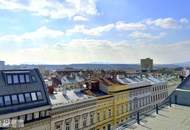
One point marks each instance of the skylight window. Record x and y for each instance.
(27, 78)
(34, 98)
(7, 100)
(15, 79)
(14, 99)
(39, 95)
(9, 79)
(21, 77)
(1, 102)
(27, 97)
(21, 98)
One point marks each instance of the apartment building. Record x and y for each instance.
(72, 109)
(24, 100)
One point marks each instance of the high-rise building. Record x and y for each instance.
(147, 64)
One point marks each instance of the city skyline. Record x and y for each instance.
(88, 31)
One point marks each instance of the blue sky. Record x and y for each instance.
(85, 31)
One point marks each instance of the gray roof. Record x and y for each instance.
(69, 97)
(35, 85)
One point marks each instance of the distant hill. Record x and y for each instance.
(184, 64)
(91, 66)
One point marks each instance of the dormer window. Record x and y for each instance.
(7, 100)
(18, 78)
(9, 79)
(21, 77)
(15, 79)
(27, 78)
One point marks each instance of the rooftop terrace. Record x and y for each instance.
(176, 117)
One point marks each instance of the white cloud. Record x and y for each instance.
(54, 9)
(184, 21)
(163, 22)
(120, 25)
(97, 31)
(80, 18)
(40, 34)
(146, 36)
(90, 50)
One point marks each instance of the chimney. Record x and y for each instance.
(50, 89)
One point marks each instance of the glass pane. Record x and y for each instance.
(14, 99)
(21, 77)
(27, 78)
(7, 100)
(1, 102)
(29, 117)
(34, 98)
(39, 95)
(15, 79)
(27, 97)
(9, 79)
(21, 98)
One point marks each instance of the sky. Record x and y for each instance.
(94, 31)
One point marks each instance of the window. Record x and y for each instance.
(27, 97)
(92, 118)
(21, 98)
(58, 125)
(109, 112)
(34, 98)
(39, 95)
(68, 124)
(33, 78)
(21, 77)
(36, 115)
(7, 100)
(27, 78)
(98, 117)
(42, 114)
(77, 122)
(1, 102)
(104, 115)
(29, 117)
(84, 120)
(9, 79)
(14, 99)
(15, 79)
(22, 117)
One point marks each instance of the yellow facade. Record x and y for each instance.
(104, 112)
(119, 95)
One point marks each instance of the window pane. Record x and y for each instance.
(27, 78)
(21, 98)
(29, 117)
(7, 100)
(39, 95)
(42, 114)
(36, 115)
(9, 79)
(27, 97)
(21, 77)
(15, 79)
(34, 98)
(1, 102)
(14, 99)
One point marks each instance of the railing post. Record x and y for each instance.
(170, 101)
(138, 118)
(156, 108)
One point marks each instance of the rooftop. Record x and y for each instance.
(69, 97)
(176, 117)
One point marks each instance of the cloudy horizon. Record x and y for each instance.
(94, 31)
